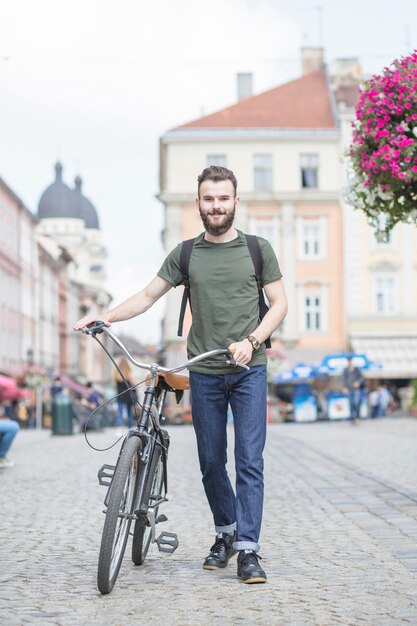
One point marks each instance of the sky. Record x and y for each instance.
(95, 84)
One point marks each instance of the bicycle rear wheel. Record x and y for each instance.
(119, 512)
(142, 533)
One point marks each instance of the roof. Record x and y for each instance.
(87, 209)
(348, 94)
(302, 103)
(9, 191)
(58, 199)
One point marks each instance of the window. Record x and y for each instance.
(309, 164)
(313, 312)
(385, 295)
(262, 170)
(311, 238)
(266, 228)
(216, 159)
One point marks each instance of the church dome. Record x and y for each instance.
(58, 199)
(85, 207)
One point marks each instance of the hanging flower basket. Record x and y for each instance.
(382, 176)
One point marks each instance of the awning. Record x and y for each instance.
(9, 389)
(7, 383)
(72, 384)
(397, 355)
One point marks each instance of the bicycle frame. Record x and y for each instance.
(138, 483)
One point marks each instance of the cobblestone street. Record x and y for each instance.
(339, 539)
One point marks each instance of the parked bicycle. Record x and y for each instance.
(138, 483)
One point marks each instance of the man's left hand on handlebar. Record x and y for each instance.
(242, 351)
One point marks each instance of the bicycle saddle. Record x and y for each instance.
(175, 382)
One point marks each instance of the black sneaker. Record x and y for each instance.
(248, 568)
(220, 552)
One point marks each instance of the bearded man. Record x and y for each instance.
(224, 299)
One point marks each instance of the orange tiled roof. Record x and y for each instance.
(301, 103)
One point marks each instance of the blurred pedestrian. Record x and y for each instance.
(352, 383)
(57, 387)
(8, 431)
(385, 400)
(93, 399)
(374, 403)
(125, 399)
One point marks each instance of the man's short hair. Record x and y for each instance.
(216, 173)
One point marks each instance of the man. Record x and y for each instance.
(92, 401)
(352, 383)
(225, 308)
(8, 431)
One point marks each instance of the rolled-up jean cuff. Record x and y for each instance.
(246, 545)
(226, 529)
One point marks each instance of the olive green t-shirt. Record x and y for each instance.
(224, 295)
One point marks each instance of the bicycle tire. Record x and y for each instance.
(118, 515)
(142, 532)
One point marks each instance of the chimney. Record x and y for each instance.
(312, 59)
(244, 86)
(346, 71)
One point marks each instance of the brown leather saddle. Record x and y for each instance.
(172, 382)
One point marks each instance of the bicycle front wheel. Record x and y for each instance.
(118, 515)
(142, 533)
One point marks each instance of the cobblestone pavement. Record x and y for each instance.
(339, 537)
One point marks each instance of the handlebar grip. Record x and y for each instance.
(95, 328)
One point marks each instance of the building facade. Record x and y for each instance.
(18, 279)
(69, 221)
(346, 290)
(284, 147)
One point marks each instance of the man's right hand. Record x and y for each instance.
(90, 319)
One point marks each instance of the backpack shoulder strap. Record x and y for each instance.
(185, 256)
(256, 255)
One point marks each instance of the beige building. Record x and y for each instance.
(284, 147)
(346, 290)
(380, 284)
(69, 221)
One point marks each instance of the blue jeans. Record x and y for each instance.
(119, 419)
(8, 431)
(246, 392)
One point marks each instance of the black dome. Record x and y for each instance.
(86, 208)
(58, 199)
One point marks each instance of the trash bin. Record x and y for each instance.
(61, 415)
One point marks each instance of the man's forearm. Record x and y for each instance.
(135, 305)
(271, 321)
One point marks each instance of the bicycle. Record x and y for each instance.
(138, 483)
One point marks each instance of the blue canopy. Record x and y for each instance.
(337, 362)
(331, 364)
(300, 373)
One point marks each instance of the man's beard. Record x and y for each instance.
(217, 229)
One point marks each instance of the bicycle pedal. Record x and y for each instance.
(167, 542)
(105, 475)
(161, 518)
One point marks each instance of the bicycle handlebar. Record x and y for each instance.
(99, 327)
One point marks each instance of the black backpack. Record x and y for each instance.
(256, 255)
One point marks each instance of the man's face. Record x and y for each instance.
(217, 203)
